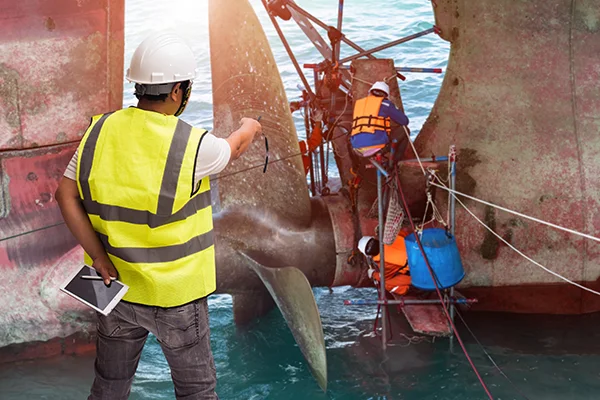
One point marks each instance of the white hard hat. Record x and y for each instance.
(163, 57)
(362, 244)
(381, 86)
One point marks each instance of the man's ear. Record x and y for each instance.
(175, 91)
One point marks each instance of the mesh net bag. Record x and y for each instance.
(393, 218)
(373, 212)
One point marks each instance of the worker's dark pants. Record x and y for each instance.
(184, 335)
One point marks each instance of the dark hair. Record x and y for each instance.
(378, 93)
(150, 97)
(185, 85)
(162, 97)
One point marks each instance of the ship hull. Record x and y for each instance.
(521, 100)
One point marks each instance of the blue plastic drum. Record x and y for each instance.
(443, 257)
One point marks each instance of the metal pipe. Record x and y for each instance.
(442, 158)
(332, 112)
(306, 26)
(388, 45)
(339, 28)
(381, 258)
(322, 162)
(399, 69)
(311, 169)
(321, 155)
(336, 56)
(380, 169)
(406, 302)
(452, 159)
(310, 16)
(326, 27)
(425, 70)
(314, 155)
(289, 51)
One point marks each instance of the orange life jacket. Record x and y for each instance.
(366, 117)
(397, 279)
(399, 284)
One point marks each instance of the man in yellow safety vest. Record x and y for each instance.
(136, 195)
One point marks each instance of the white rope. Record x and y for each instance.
(435, 215)
(389, 78)
(518, 251)
(425, 213)
(438, 217)
(414, 150)
(454, 192)
(361, 80)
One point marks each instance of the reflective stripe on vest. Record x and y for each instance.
(135, 175)
(366, 116)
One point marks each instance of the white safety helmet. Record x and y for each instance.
(160, 60)
(382, 86)
(365, 246)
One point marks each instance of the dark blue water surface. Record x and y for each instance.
(546, 357)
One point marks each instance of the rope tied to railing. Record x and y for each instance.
(454, 194)
(517, 250)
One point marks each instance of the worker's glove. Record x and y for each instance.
(370, 273)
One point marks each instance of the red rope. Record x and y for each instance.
(437, 289)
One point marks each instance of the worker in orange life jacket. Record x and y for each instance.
(397, 273)
(371, 123)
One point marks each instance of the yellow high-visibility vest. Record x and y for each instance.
(135, 174)
(366, 118)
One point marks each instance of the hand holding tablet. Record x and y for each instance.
(88, 287)
(95, 277)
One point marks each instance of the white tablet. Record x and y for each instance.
(88, 287)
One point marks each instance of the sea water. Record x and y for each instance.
(544, 357)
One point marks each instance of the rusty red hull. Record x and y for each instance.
(60, 62)
(520, 99)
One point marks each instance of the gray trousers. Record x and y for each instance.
(184, 335)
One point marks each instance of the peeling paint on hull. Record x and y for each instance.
(61, 61)
(520, 99)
